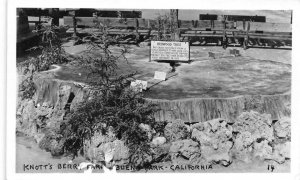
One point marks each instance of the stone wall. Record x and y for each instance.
(213, 131)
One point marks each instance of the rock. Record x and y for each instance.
(51, 142)
(242, 149)
(99, 139)
(254, 134)
(91, 149)
(215, 138)
(140, 159)
(146, 128)
(259, 125)
(47, 109)
(282, 152)
(219, 156)
(284, 149)
(283, 128)
(159, 141)
(175, 131)
(110, 151)
(121, 151)
(45, 142)
(93, 154)
(161, 153)
(57, 148)
(262, 150)
(187, 149)
(48, 106)
(39, 137)
(26, 118)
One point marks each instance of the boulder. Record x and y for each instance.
(121, 152)
(282, 128)
(99, 138)
(26, 117)
(158, 141)
(215, 138)
(147, 128)
(110, 151)
(185, 150)
(39, 137)
(282, 152)
(259, 125)
(262, 150)
(57, 148)
(51, 142)
(243, 147)
(176, 130)
(254, 136)
(161, 152)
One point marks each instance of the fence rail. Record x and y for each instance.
(204, 31)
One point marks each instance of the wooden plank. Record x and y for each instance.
(268, 35)
(198, 30)
(202, 35)
(271, 38)
(110, 22)
(239, 36)
(274, 27)
(211, 30)
(184, 24)
(240, 33)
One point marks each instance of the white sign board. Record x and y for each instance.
(170, 50)
(139, 85)
(160, 75)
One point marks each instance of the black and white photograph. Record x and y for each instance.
(153, 90)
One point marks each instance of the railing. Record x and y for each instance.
(202, 31)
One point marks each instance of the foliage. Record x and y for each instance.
(160, 127)
(52, 50)
(164, 26)
(51, 53)
(27, 88)
(112, 105)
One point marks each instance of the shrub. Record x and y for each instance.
(27, 88)
(52, 50)
(52, 53)
(113, 104)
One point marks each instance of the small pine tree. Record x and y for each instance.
(112, 104)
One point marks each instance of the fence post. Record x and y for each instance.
(137, 35)
(174, 25)
(224, 41)
(246, 38)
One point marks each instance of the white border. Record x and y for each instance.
(152, 4)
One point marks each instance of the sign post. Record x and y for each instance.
(170, 52)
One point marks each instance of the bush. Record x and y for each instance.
(52, 53)
(52, 50)
(27, 88)
(113, 104)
